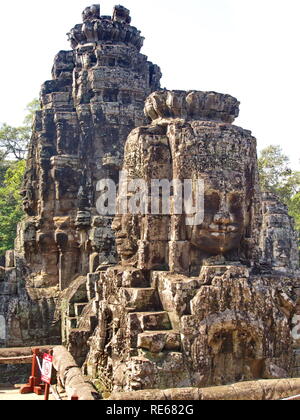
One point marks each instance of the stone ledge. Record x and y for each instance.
(262, 390)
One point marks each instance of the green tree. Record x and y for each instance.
(30, 110)
(3, 168)
(10, 205)
(294, 207)
(13, 148)
(277, 177)
(276, 174)
(14, 140)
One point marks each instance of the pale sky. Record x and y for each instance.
(247, 48)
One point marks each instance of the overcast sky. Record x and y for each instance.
(247, 48)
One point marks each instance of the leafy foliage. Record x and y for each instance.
(31, 109)
(295, 210)
(13, 149)
(11, 205)
(14, 140)
(277, 177)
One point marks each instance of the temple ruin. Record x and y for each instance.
(147, 301)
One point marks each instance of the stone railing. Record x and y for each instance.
(70, 377)
(262, 390)
(19, 355)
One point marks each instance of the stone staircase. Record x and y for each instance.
(157, 359)
(149, 325)
(155, 346)
(80, 318)
(158, 341)
(82, 303)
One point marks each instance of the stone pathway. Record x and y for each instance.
(9, 393)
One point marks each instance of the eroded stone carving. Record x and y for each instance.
(96, 28)
(190, 304)
(190, 301)
(278, 237)
(95, 98)
(182, 145)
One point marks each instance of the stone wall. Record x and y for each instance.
(29, 313)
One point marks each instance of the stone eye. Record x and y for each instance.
(212, 203)
(235, 203)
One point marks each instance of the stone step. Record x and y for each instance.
(78, 308)
(127, 277)
(166, 368)
(139, 299)
(72, 322)
(139, 322)
(88, 318)
(152, 321)
(91, 285)
(157, 341)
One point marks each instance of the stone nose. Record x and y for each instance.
(117, 224)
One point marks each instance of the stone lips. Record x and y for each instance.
(108, 29)
(194, 105)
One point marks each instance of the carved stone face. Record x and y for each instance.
(225, 219)
(126, 233)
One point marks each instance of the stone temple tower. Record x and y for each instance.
(95, 98)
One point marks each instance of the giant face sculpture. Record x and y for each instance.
(226, 216)
(196, 130)
(126, 228)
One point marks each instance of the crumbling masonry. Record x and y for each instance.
(170, 305)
